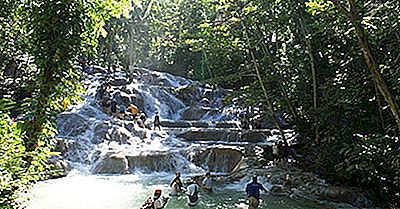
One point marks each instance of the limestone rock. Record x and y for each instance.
(152, 161)
(175, 124)
(210, 134)
(194, 113)
(253, 136)
(218, 159)
(119, 82)
(111, 163)
(59, 166)
(71, 124)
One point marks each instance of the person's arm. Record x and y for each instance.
(263, 188)
(172, 182)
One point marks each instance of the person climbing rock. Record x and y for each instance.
(157, 121)
(143, 119)
(253, 192)
(155, 201)
(113, 107)
(192, 191)
(121, 112)
(176, 184)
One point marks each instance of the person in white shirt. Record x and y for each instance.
(192, 191)
(207, 182)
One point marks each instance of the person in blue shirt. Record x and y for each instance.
(253, 192)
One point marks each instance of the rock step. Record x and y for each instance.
(228, 135)
(198, 124)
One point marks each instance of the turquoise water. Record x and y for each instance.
(130, 191)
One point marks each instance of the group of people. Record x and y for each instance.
(177, 187)
(280, 153)
(157, 201)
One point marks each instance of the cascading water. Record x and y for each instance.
(116, 164)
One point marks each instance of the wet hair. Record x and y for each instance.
(254, 178)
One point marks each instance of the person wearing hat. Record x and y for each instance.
(253, 192)
(156, 201)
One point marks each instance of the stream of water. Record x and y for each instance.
(130, 191)
(121, 150)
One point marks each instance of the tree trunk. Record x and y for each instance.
(269, 103)
(369, 56)
(314, 78)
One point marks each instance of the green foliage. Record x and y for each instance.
(14, 177)
(206, 40)
(40, 42)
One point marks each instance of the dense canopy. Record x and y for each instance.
(330, 69)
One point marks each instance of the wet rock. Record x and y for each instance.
(152, 161)
(60, 146)
(175, 124)
(111, 163)
(119, 82)
(120, 135)
(210, 135)
(199, 124)
(253, 136)
(137, 100)
(59, 167)
(101, 132)
(225, 124)
(90, 112)
(194, 113)
(344, 195)
(218, 159)
(71, 124)
(122, 98)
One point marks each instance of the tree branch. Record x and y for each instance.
(341, 8)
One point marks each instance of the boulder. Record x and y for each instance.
(71, 124)
(59, 167)
(101, 132)
(122, 98)
(137, 100)
(111, 163)
(253, 136)
(175, 124)
(199, 124)
(119, 82)
(194, 113)
(218, 159)
(225, 124)
(210, 135)
(152, 161)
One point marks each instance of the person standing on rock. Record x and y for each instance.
(113, 107)
(176, 184)
(157, 121)
(275, 153)
(253, 192)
